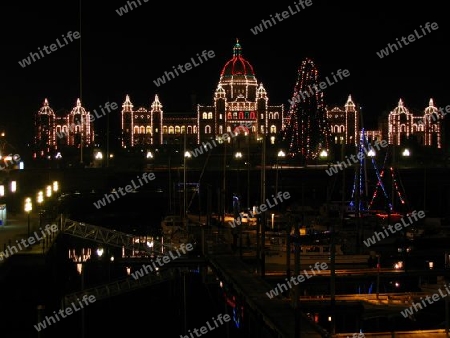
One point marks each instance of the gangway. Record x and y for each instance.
(109, 237)
(116, 238)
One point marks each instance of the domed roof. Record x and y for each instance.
(78, 109)
(400, 109)
(237, 65)
(46, 109)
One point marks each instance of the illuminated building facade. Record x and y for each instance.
(238, 100)
(54, 132)
(400, 127)
(344, 123)
(425, 128)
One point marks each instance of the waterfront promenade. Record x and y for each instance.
(15, 228)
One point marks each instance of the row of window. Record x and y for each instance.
(241, 115)
(166, 130)
(190, 129)
(251, 115)
(416, 128)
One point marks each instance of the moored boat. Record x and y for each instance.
(310, 254)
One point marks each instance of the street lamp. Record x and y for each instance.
(40, 197)
(40, 200)
(48, 191)
(187, 155)
(378, 276)
(281, 154)
(238, 157)
(13, 186)
(55, 186)
(247, 163)
(28, 208)
(406, 153)
(100, 252)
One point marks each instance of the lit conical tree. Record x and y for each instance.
(307, 132)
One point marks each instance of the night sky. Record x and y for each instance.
(124, 54)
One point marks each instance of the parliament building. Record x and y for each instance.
(239, 99)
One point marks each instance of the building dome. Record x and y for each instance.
(237, 66)
(400, 109)
(78, 109)
(46, 109)
(238, 78)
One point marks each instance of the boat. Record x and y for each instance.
(172, 224)
(313, 253)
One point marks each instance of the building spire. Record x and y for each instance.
(156, 105)
(349, 105)
(237, 49)
(127, 105)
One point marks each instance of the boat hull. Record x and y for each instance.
(306, 260)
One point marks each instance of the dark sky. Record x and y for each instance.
(124, 54)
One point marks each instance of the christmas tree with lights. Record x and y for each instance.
(307, 134)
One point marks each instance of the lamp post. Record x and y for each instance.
(238, 157)
(13, 186)
(248, 169)
(81, 140)
(98, 157)
(28, 208)
(281, 154)
(378, 276)
(55, 186)
(40, 200)
(187, 155)
(48, 191)
(323, 154)
(13, 190)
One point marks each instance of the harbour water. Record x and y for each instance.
(173, 307)
(31, 291)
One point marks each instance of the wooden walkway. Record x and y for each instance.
(277, 314)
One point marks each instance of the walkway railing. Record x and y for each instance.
(122, 286)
